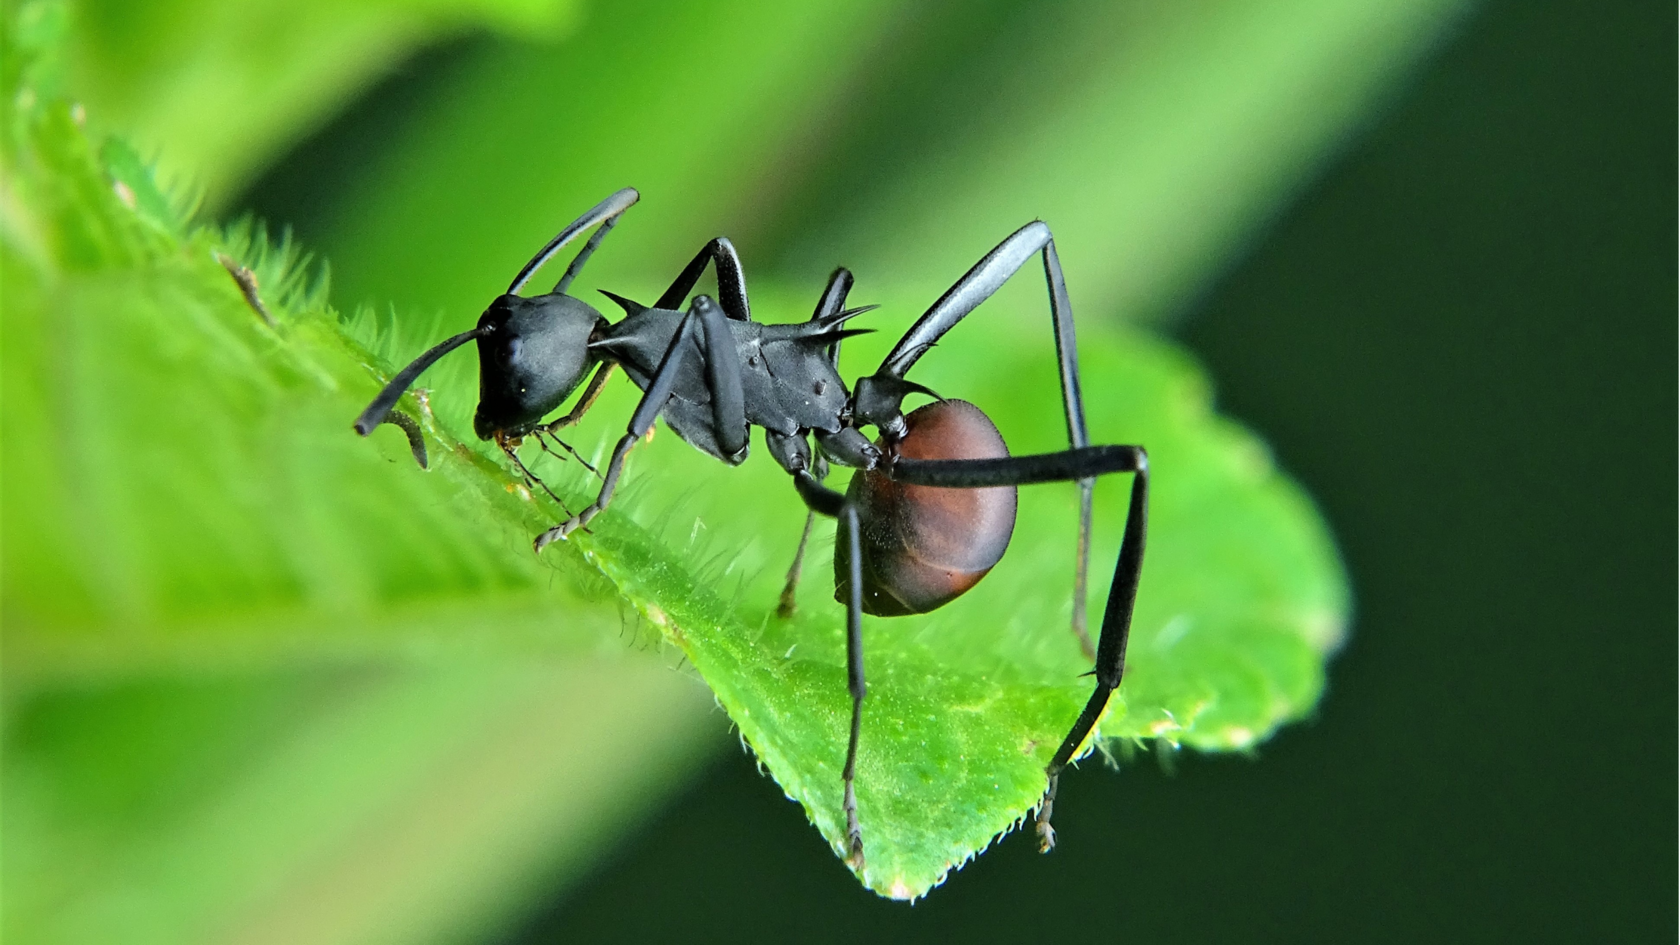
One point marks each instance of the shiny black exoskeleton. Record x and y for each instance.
(933, 506)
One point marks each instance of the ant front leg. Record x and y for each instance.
(1076, 465)
(510, 447)
(591, 393)
(703, 333)
(976, 286)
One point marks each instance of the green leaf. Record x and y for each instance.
(1155, 137)
(1242, 600)
(238, 518)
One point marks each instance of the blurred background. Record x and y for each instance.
(1424, 248)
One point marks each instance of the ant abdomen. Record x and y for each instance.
(924, 546)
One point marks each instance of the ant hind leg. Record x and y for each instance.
(976, 286)
(1078, 465)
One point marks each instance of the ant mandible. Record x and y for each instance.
(932, 507)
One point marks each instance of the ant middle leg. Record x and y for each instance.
(821, 499)
(797, 458)
(787, 603)
(794, 454)
(849, 448)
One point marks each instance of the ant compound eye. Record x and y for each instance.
(510, 351)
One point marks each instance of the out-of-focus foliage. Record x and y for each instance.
(254, 663)
(1153, 136)
(217, 89)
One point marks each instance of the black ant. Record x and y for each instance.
(932, 507)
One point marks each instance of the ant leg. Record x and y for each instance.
(854, 682)
(723, 379)
(704, 332)
(785, 607)
(975, 287)
(531, 479)
(1075, 464)
(820, 498)
(1111, 646)
(731, 279)
(606, 213)
(590, 394)
(541, 432)
(786, 604)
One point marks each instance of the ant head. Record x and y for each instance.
(532, 353)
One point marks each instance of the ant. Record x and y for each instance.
(932, 506)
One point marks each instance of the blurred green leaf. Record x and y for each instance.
(217, 89)
(694, 104)
(1155, 137)
(232, 515)
(424, 804)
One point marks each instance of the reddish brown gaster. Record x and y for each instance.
(924, 546)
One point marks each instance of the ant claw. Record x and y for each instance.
(1047, 833)
(547, 538)
(854, 859)
(854, 834)
(1046, 837)
(563, 530)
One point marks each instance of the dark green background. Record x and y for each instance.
(1462, 340)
